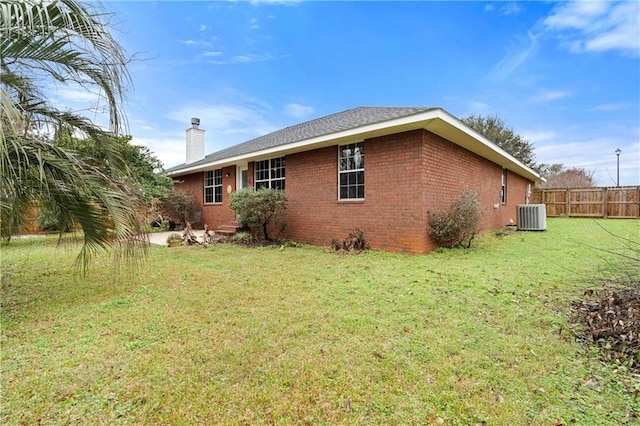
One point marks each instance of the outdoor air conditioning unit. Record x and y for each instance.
(532, 217)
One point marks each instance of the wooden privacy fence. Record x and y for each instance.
(606, 202)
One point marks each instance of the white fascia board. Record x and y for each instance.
(416, 121)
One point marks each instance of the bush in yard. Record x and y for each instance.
(257, 208)
(178, 207)
(458, 225)
(50, 218)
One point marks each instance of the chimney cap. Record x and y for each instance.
(195, 122)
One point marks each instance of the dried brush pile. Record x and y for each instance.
(354, 243)
(611, 320)
(610, 316)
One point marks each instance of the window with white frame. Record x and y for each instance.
(270, 173)
(213, 186)
(351, 172)
(503, 189)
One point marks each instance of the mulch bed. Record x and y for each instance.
(610, 319)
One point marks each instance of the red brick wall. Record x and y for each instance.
(451, 169)
(406, 176)
(212, 214)
(391, 220)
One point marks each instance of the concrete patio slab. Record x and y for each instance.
(160, 238)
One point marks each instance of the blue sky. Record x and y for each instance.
(565, 75)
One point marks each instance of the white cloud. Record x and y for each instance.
(228, 116)
(90, 103)
(478, 107)
(285, 2)
(204, 27)
(243, 59)
(248, 121)
(577, 14)
(550, 95)
(192, 42)
(171, 151)
(250, 58)
(576, 147)
(539, 136)
(211, 53)
(609, 107)
(510, 9)
(226, 124)
(255, 24)
(597, 26)
(298, 111)
(573, 153)
(141, 124)
(515, 58)
(77, 94)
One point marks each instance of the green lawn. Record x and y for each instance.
(235, 335)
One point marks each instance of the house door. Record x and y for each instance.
(243, 177)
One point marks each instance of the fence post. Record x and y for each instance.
(605, 208)
(568, 195)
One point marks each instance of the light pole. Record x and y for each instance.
(618, 151)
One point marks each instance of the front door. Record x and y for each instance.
(243, 177)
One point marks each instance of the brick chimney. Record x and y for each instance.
(195, 142)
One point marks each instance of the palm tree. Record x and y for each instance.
(66, 43)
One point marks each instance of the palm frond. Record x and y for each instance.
(64, 42)
(101, 205)
(68, 41)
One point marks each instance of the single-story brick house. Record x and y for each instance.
(375, 168)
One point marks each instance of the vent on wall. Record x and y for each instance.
(532, 217)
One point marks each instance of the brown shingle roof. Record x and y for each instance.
(345, 120)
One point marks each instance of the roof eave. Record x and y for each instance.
(437, 121)
(450, 128)
(383, 128)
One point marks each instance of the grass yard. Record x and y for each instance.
(300, 335)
